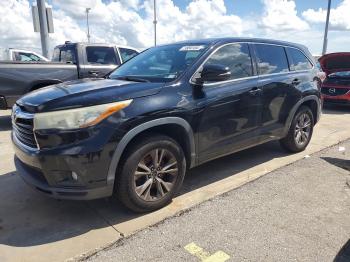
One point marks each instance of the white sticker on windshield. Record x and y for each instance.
(192, 48)
(171, 76)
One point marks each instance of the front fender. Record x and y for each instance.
(143, 127)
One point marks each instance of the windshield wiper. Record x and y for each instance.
(131, 78)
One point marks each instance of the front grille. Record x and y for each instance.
(22, 125)
(338, 81)
(331, 91)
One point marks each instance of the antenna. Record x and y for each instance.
(155, 22)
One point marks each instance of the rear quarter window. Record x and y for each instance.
(56, 55)
(298, 60)
(64, 54)
(271, 59)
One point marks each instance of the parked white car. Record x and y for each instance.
(11, 54)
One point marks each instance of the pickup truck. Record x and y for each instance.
(70, 61)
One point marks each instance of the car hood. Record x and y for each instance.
(335, 62)
(85, 92)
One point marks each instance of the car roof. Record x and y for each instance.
(213, 41)
(96, 44)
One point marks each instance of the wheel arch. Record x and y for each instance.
(313, 102)
(153, 125)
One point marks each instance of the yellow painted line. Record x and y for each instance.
(205, 256)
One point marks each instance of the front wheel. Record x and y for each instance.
(300, 131)
(152, 172)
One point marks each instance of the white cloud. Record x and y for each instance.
(281, 15)
(130, 22)
(201, 19)
(16, 27)
(339, 16)
(117, 21)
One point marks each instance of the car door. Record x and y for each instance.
(279, 94)
(230, 109)
(99, 61)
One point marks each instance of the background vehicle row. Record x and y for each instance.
(70, 61)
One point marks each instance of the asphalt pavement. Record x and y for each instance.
(300, 212)
(36, 228)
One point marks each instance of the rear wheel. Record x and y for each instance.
(152, 172)
(300, 131)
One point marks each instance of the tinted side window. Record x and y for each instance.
(127, 54)
(101, 55)
(236, 57)
(64, 54)
(56, 55)
(67, 56)
(299, 60)
(271, 59)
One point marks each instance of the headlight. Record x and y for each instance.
(77, 118)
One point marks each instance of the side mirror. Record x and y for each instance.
(214, 73)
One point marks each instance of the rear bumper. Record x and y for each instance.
(34, 178)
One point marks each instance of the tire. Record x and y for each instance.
(138, 187)
(300, 131)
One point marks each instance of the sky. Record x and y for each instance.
(129, 22)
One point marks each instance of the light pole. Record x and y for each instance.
(44, 32)
(87, 23)
(155, 22)
(325, 39)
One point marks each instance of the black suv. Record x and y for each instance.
(173, 107)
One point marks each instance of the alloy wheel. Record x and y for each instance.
(302, 129)
(155, 174)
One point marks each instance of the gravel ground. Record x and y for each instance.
(300, 212)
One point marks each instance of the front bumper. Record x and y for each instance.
(340, 96)
(36, 180)
(51, 172)
(337, 100)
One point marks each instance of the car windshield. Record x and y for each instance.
(159, 64)
(345, 74)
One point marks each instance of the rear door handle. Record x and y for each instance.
(296, 82)
(255, 91)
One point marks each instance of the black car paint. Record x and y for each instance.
(213, 120)
(85, 92)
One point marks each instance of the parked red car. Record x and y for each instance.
(336, 87)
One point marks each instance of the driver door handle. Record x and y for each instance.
(255, 91)
(93, 72)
